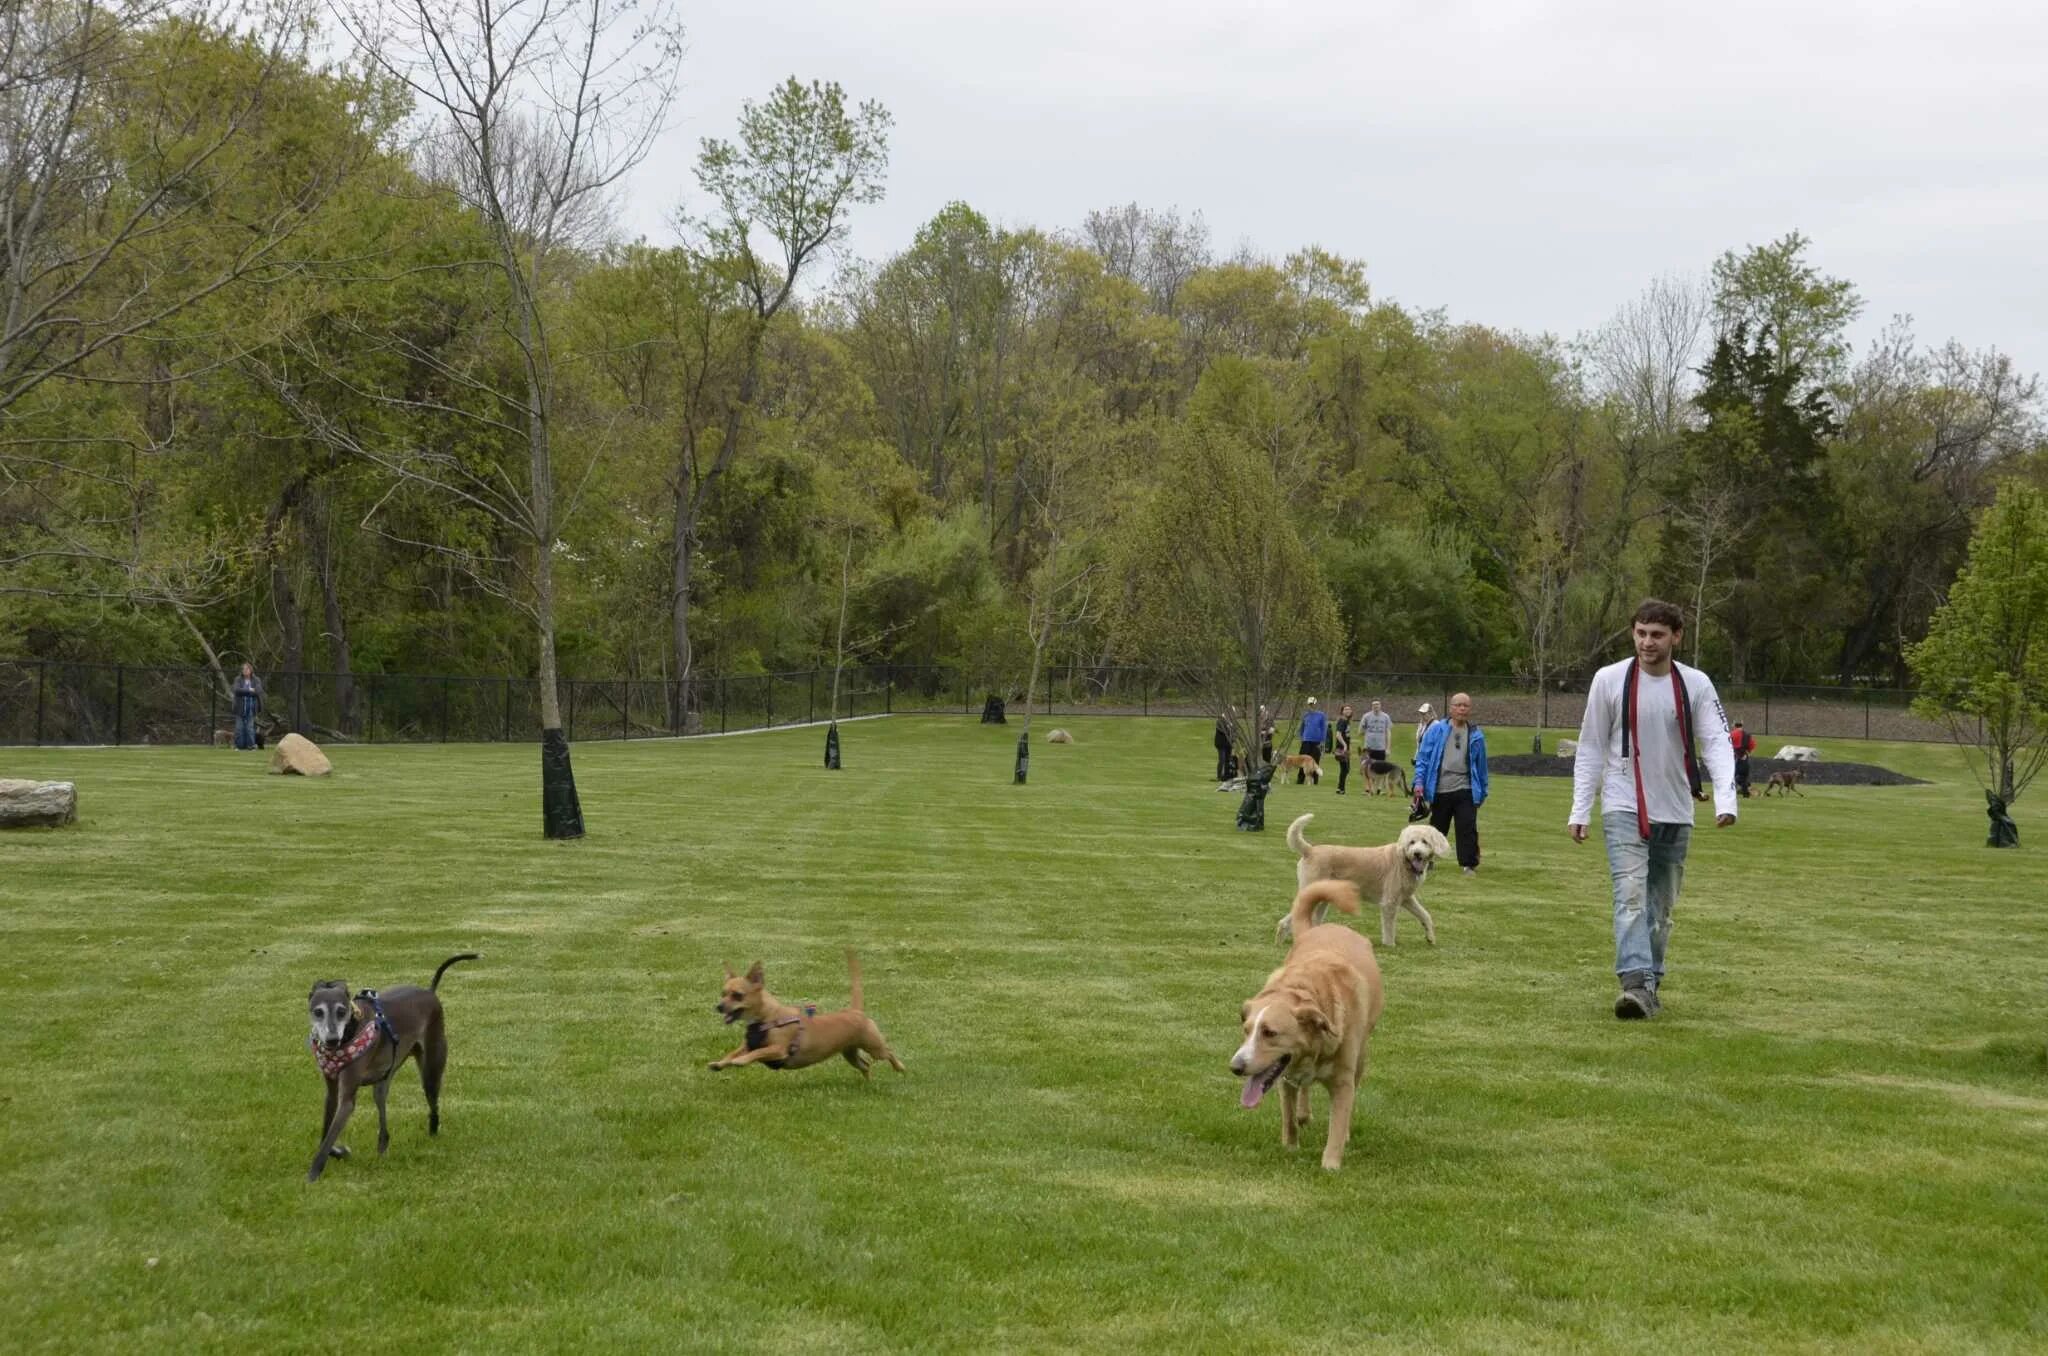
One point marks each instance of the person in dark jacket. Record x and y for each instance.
(248, 693)
(1223, 759)
(1340, 744)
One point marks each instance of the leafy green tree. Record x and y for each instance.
(1773, 292)
(1224, 595)
(1984, 664)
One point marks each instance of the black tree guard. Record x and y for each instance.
(832, 746)
(1251, 811)
(561, 814)
(2004, 833)
(992, 711)
(1023, 756)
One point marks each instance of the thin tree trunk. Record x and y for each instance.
(337, 629)
(685, 529)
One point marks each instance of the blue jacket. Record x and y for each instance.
(1429, 759)
(1315, 726)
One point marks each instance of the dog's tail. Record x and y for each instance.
(467, 955)
(853, 968)
(1341, 895)
(1300, 844)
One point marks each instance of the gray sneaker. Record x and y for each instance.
(1638, 997)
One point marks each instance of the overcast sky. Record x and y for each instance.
(1528, 165)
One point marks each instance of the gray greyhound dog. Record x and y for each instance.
(364, 1040)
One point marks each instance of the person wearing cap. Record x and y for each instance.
(1744, 744)
(1315, 728)
(1421, 724)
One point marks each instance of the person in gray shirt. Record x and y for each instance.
(1376, 733)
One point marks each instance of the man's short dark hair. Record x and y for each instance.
(1657, 612)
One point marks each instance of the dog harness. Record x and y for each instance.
(757, 1036)
(333, 1062)
(1632, 744)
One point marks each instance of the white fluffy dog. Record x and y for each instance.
(1390, 873)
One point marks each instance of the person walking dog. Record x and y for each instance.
(1450, 777)
(1315, 730)
(1648, 719)
(1376, 731)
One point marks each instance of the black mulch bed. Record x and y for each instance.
(1760, 770)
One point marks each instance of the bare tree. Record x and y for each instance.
(105, 237)
(535, 111)
(1709, 526)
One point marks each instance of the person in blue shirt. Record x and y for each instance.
(1450, 777)
(1315, 728)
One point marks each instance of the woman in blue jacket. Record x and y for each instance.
(1450, 775)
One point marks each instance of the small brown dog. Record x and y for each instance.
(1299, 762)
(1313, 1021)
(1786, 781)
(784, 1036)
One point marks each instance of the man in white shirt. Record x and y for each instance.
(1652, 726)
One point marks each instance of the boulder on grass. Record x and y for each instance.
(1797, 753)
(1059, 737)
(37, 804)
(1567, 748)
(296, 753)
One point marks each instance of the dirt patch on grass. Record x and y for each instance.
(1760, 770)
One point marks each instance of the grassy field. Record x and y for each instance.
(1835, 1138)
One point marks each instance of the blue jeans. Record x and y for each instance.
(1647, 876)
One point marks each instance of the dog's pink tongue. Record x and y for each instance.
(1254, 1089)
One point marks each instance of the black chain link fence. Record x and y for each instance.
(55, 702)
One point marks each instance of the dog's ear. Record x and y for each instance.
(1439, 842)
(1312, 1023)
(754, 975)
(729, 972)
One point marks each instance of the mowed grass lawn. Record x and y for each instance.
(1836, 1137)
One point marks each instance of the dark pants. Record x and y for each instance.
(1742, 776)
(1456, 807)
(1314, 749)
(1223, 761)
(1343, 770)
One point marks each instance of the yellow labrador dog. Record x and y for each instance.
(1390, 873)
(1313, 1021)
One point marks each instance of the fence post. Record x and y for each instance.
(444, 710)
(768, 701)
(41, 670)
(1767, 710)
(570, 731)
(625, 709)
(507, 737)
(723, 688)
(1145, 690)
(120, 701)
(1866, 713)
(889, 689)
(370, 721)
(212, 711)
(812, 718)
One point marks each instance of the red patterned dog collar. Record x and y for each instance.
(332, 1062)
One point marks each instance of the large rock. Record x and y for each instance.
(1797, 753)
(37, 804)
(296, 753)
(1567, 748)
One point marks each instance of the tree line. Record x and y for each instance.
(343, 365)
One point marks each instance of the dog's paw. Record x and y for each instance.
(338, 1151)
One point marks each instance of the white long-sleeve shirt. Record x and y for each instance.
(1600, 765)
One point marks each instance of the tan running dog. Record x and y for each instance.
(784, 1036)
(1786, 781)
(1390, 873)
(1313, 1021)
(1299, 762)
